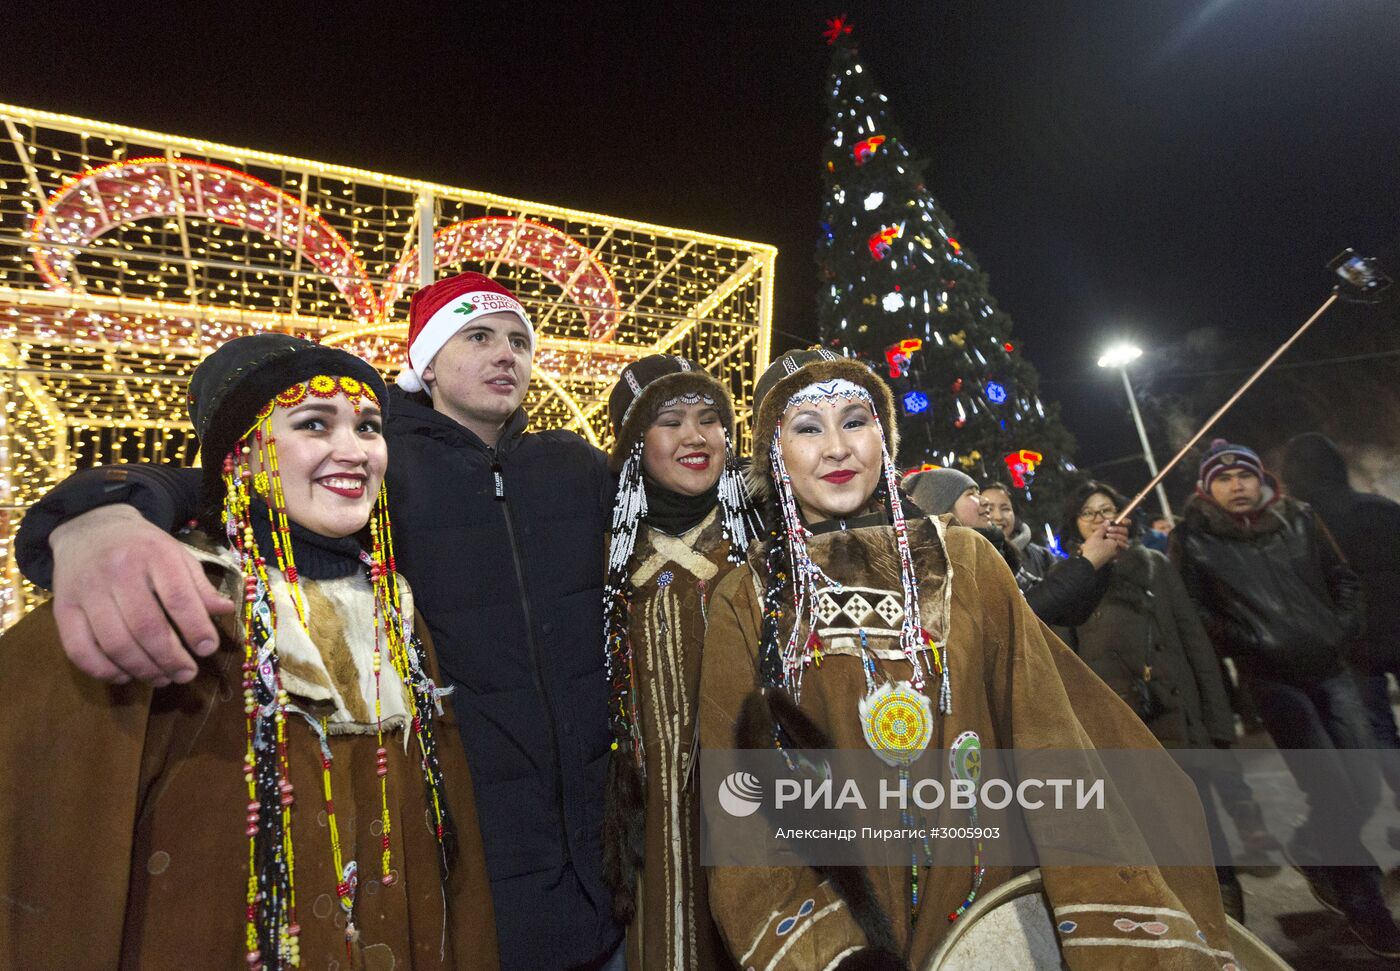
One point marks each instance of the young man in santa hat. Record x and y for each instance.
(500, 533)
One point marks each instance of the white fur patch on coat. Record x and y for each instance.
(327, 666)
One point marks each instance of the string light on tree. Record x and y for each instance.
(915, 402)
(893, 268)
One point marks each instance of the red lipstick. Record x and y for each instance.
(356, 492)
(839, 477)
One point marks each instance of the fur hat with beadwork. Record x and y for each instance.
(819, 375)
(232, 385)
(648, 383)
(791, 373)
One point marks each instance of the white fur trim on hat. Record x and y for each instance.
(449, 319)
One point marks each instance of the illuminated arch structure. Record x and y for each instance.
(126, 256)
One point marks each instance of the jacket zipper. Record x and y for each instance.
(536, 670)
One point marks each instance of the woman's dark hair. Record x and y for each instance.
(1069, 517)
(994, 484)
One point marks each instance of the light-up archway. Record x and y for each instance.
(522, 242)
(104, 199)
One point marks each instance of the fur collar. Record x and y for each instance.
(328, 665)
(1130, 578)
(1205, 514)
(1021, 536)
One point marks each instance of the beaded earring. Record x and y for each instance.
(738, 516)
(272, 931)
(629, 509)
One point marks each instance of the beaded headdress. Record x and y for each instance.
(645, 388)
(249, 469)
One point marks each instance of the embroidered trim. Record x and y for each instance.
(877, 611)
(1119, 942)
(841, 957)
(782, 951)
(1122, 909)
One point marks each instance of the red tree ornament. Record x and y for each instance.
(897, 355)
(865, 148)
(1022, 465)
(880, 241)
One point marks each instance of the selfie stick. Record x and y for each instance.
(1362, 282)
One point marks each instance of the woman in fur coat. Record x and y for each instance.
(681, 522)
(304, 801)
(848, 607)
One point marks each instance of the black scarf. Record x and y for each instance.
(674, 513)
(317, 557)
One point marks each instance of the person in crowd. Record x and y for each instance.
(1157, 534)
(938, 492)
(1065, 596)
(1147, 644)
(1367, 528)
(1035, 560)
(270, 811)
(501, 534)
(681, 522)
(1277, 595)
(847, 602)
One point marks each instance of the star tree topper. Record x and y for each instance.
(836, 28)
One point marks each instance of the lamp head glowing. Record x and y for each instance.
(1120, 355)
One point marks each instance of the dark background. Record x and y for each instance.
(1176, 171)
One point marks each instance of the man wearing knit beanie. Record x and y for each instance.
(1235, 480)
(1277, 595)
(501, 534)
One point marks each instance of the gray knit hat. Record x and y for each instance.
(936, 490)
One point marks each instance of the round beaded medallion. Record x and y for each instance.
(898, 722)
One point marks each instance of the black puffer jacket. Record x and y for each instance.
(1273, 589)
(504, 550)
(1367, 528)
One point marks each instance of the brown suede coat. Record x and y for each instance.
(673, 578)
(1018, 687)
(123, 811)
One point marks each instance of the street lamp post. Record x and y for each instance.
(1120, 356)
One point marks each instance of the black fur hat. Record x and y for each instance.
(231, 386)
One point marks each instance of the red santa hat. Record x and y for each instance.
(440, 309)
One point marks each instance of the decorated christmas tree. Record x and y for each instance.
(899, 290)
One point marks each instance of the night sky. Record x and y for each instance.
(1173, 170)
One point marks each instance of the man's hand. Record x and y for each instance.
(1104, 545)
(128, 597)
